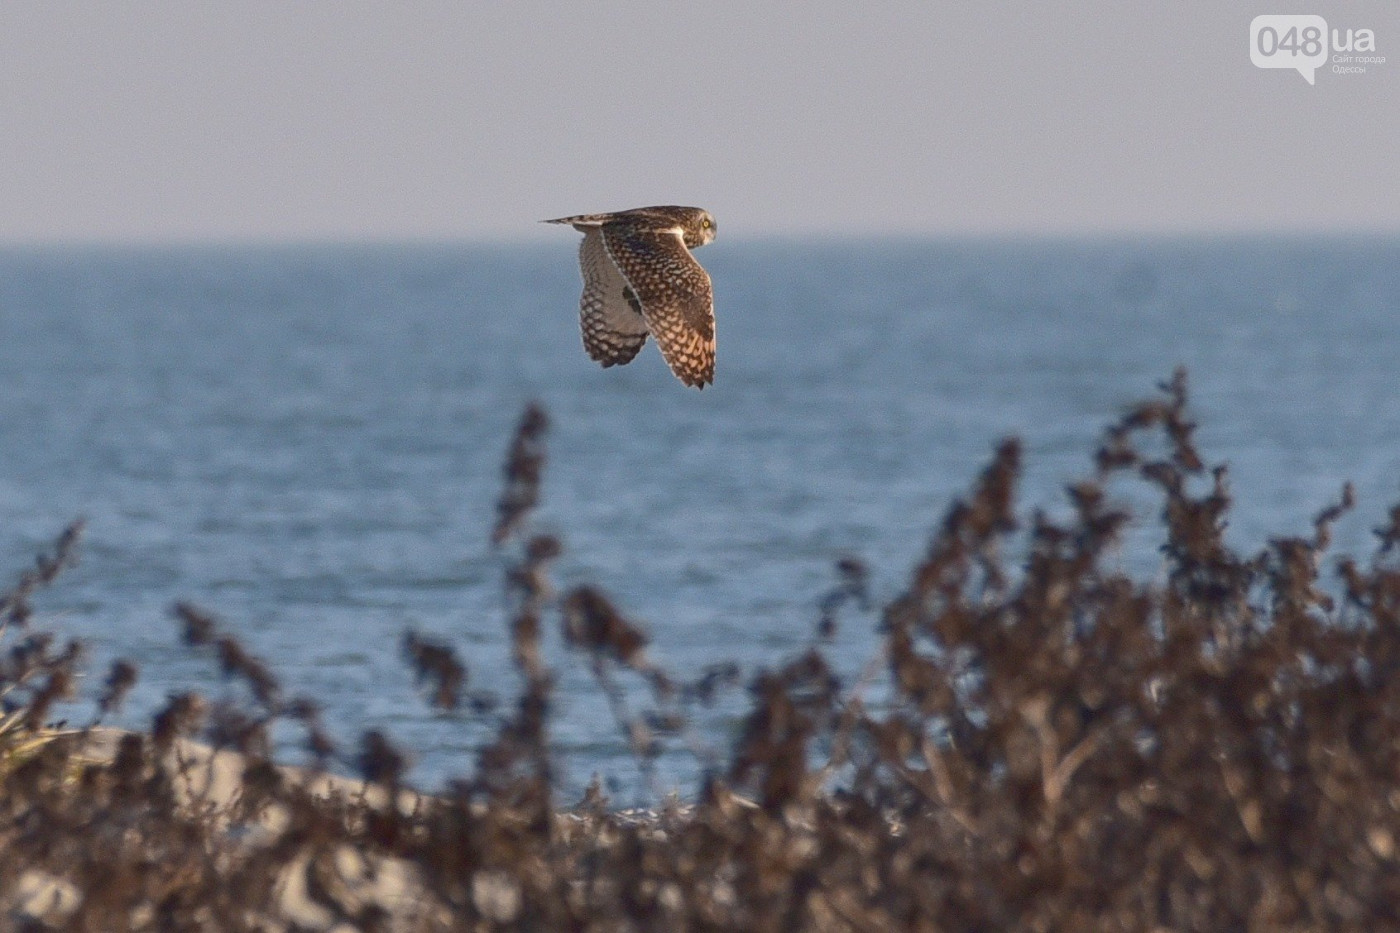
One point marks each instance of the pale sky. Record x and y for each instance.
(245, 120)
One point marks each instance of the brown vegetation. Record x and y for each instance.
(1062, 747)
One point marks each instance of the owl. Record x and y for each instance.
(639, 278)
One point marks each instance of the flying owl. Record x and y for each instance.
(639, 278)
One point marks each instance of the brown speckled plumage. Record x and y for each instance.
(639, 278)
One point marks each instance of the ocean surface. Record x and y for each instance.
(307, 441)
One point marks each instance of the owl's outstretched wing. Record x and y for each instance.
(612, 326)
(675, 294)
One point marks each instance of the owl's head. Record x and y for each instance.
(700, 230)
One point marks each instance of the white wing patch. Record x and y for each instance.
(612, 325)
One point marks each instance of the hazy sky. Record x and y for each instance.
(291, 120)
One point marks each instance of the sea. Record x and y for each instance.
(307, 442)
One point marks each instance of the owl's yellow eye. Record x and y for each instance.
(705, 223)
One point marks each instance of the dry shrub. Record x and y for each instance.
(1058, 745)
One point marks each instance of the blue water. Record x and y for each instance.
(307, 441)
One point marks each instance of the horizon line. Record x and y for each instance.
(532, 238)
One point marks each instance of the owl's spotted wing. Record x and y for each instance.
(613, 329)
(675, 294)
